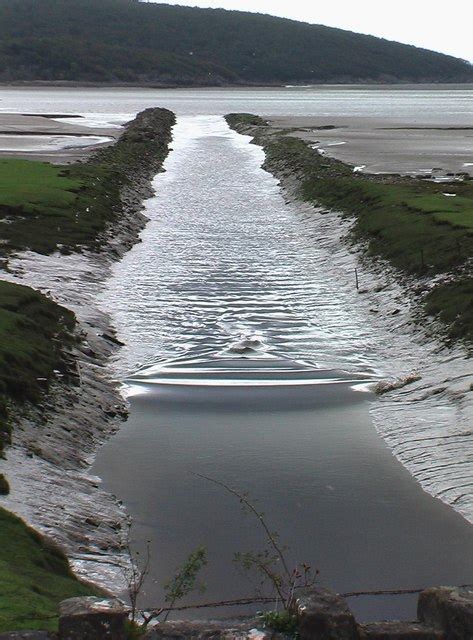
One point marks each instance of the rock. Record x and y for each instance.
(4, 486)
(113, 339)
(399, 631)
(324, 615)
(92, 618)
(449, 609)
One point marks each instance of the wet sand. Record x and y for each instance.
(42, 137)
(382, 145)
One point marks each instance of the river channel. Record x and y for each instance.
(249, 358)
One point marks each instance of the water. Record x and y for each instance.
(443, 105)
(224, 259)
(247, 355)
(369, 119)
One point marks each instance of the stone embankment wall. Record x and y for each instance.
(444, 613)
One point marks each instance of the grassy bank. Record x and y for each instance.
(45, 207)
(33, 333)
(408, 221)
(34, 577)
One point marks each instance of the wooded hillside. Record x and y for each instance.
(131, 41)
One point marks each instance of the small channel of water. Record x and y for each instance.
(246, 360)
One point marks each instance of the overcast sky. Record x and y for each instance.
(445, 27)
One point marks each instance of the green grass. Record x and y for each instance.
(453, 304)
(34, 578)
(33, 332)
(45, 208)
(37, 183)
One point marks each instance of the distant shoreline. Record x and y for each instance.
(78, 84)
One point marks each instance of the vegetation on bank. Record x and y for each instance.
(245, 119)
(45, 207)
(452, 303)
(138, 42)
(409, 221)
(33, 333)
(35, 576)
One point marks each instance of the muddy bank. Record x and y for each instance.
(54, 441)
(426, 410)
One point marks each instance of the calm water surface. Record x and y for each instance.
(443, 105)
(247, 359)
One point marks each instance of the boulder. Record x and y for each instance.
(324, 615)
(449, 609)
(92, 618)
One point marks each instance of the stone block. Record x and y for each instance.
(399, 631)
(92, 618)
(324, 615)
(449, 609)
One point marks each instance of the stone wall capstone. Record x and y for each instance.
(324, 615)
(449, 609)
(92, 618)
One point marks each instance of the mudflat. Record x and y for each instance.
(42, 137)
(386, 145)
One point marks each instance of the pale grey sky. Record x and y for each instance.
(441, 26)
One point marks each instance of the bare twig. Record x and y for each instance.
(134, 573)
(260, 516)
(272, 600)
(284, 583)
